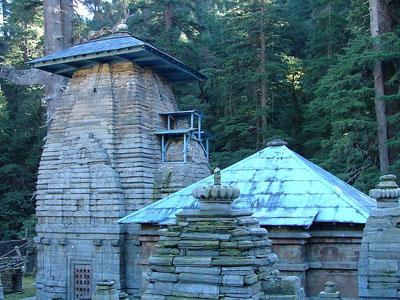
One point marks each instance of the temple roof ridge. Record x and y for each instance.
(338, 182)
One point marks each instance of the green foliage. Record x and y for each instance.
(222, 40)
(21, 121)
(22, 30)
(340, 118)
(20, 148)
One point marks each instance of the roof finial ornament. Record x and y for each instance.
(217, 176)
(217, 196)
(387, 191)
(276, 143)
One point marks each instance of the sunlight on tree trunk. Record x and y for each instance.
(263, 60)
(380, 23)
(58, 17)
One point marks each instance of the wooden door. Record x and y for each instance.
(82, 282)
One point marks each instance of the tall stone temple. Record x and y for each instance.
(117, 142)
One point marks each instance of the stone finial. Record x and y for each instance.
(217, 176)
(276, 143)
(387, 191)
(216, 196)
(329, 291)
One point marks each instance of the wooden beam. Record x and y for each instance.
(66, 69)
(92, 56)
(184, 148)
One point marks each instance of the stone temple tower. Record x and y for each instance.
(117, 142)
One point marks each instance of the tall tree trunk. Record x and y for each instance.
(295, 127)
(263, 59)
(4, 10)
(380, 23)
(330, 29)
(168, 15)
(58, 18)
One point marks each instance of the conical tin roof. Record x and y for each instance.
(280, 187)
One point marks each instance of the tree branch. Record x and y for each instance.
(24, 77)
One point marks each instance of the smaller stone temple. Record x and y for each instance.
(216, 252)
(314, 219)
(379, 265)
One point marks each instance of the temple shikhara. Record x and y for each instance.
(117, 142)
(127, 206)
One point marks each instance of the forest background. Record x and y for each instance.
(313, 72)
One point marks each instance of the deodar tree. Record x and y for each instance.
(58, 34)
(380, 21)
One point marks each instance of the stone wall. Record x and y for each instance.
(379, 265)
(101, 160)
(216, 252)
(140, 245)
(317, 255)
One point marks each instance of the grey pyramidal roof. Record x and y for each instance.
(280, 187)
(114, 48)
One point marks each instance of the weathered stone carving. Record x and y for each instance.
(379, 272)
(215, 253)
(330, 292)
(105, 291)
(387, 192)
(101, 160)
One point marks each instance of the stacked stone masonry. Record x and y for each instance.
(379, 265)
(217, 253)
(100, 161)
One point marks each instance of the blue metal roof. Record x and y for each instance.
(280, 187)
(114, 48)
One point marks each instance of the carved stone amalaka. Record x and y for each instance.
(217, 196)
(387, 192)
(276, 143)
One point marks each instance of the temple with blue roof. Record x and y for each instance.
(315, 219)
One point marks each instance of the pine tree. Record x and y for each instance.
(341, 117)
(21, 121)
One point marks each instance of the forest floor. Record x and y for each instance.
(29, 289)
